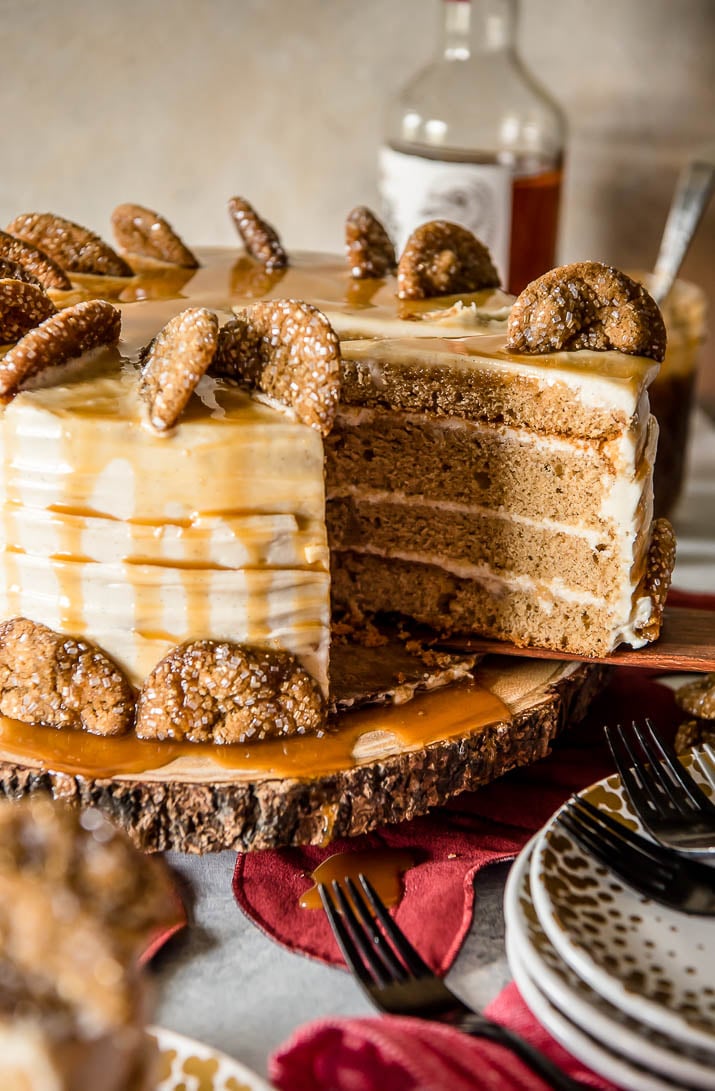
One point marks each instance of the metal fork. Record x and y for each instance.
(656, 872)
(672, 807)
(398, 981)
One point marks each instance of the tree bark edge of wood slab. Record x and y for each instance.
(273, 813)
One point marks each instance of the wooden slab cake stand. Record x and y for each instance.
(378, 764)
(382, 764)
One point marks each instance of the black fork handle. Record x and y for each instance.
(478, 1026)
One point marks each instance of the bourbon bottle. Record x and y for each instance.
(473, 138)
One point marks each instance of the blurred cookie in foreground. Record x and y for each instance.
(78, 905)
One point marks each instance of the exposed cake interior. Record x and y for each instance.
(476, 490)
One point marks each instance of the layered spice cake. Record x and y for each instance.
(171, 499)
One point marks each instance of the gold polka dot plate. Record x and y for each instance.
(583, 1011)
(185, 1065)
(580, 1044)
(652, 963)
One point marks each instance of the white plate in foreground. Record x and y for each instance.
(651, 962)
(575, 1000)
(193, 1066)
(578, 1043)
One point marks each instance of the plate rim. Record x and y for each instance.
(670, 1064)
(166, 1037)
(612, 1066)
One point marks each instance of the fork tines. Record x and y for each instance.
(652, 870)
(660, 785)
(364, 946)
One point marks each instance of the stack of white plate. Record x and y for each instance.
(624, 984)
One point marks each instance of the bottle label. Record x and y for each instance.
(476, 195)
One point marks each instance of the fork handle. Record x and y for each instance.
(478, 1026)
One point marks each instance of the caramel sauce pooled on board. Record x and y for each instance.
(383, 867)
(363, 735)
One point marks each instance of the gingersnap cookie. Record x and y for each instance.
(260, 239)
(48, 678)
(23, 306)
(698, 698)
(659, 569)
(369, 249)
(12, 270)
(76, 249)
(174, 362)
(220, 692)
(586, 305)
(288, 350)
(60, 338)
(442, 258)
(141, 231)
(34, 261)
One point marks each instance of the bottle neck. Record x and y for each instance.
(477, 26)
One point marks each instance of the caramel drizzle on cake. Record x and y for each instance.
(180, 517)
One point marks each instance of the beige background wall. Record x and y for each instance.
(180, 103)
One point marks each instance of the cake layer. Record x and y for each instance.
(591, 486)
(488, 542)
(575, 394)
(366, 583)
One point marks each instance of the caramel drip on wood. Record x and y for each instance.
(383, 867)
(356, 737)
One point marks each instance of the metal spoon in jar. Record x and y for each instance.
(692, 193)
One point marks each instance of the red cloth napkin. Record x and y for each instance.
(413, 1055)
(452, 843)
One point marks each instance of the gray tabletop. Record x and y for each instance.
(226, 983)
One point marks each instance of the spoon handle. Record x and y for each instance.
(692, 194)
